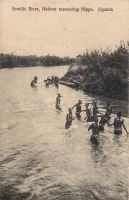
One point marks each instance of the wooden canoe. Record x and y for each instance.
(73, 85)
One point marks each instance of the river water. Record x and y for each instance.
(40, 160)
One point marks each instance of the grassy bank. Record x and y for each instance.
(102, 72)
(11, 61)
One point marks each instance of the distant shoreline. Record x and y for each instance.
(44, 66)
(11, 61)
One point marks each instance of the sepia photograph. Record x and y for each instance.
(64, 85)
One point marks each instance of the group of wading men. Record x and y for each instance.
(92, 116)
(54, 80)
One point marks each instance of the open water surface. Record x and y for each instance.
(40, 160)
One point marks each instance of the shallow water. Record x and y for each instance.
(39, 159)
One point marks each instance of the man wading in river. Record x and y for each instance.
(34, 81)
(95, 110)
(88, 112)
(69, 119)
(58, 100)
(104, 120)
(118, 123)
(95, 132)
(108, 111)
(78, 109)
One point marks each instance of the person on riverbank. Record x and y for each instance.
(69, 119)
(58, 100)
(118, 124)
(78, 109)
(108, 111)
(88, 112)
(95, 132)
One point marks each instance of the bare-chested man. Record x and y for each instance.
(118, 124)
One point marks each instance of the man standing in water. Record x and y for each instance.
(58, 100)
(95, 110)
(34, 81)
(108, 111)
(104, 120)
(56, 81)
(95, 132)
(78, 109)
(69, 119)
(88, 112)
(118, 123)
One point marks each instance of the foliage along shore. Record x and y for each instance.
(102, 72)
(11, 61)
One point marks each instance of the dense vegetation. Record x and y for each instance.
(102, 72)
(11, 61)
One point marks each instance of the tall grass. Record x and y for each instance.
(103, 72)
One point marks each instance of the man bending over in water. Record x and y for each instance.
(118, 123)
(78, 109)
(69, 119)
(95, 132)
(58, 100)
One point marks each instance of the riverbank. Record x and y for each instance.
(102, 72)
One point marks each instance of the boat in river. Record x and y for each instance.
(69, 84)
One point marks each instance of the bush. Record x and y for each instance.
(103, 72)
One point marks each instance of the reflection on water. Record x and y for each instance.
(39, 159)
